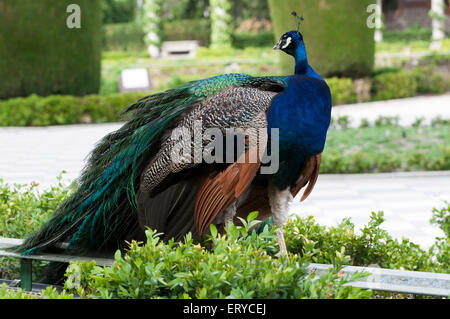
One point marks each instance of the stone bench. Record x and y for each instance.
(179, 49)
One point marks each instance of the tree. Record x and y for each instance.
(337, 37)
(152, 24)
(43, 51)
(438, 23)
(221, 23)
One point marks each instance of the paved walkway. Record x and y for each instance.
(40, 154)
(407, 200)
(408, 110)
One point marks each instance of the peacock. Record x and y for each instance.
(139, 176)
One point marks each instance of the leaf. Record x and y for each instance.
(213, 230)
(118, 256)
(252, 216)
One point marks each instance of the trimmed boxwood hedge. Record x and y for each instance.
(64, 109)
(40, 54)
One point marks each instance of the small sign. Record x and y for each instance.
(134, 80)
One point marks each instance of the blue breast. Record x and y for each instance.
(302, 114)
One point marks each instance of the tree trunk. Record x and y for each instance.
(438, 16)
(152, 24)
(221, 23)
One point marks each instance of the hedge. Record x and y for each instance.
(244, 40)
(123, 37)
(413, 33)
(63, 109)
(39, 54)
(239, 264)
(188, 30)
(336, 35)
(118, 11)
(130, 36)
(398, 84)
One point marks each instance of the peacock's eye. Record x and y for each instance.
(286, 43)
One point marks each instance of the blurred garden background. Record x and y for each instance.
(123, 34)
(387, 63)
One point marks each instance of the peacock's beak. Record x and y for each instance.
(277, 46)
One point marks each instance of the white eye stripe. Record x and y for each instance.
(288, 41)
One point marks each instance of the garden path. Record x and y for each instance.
(408, 110)
(41, 153)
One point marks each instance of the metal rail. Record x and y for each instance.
(393, 280)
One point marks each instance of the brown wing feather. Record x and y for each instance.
(218, 192)
(308, 175)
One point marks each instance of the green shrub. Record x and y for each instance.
(118, 11)
(244, 40)
(23, 211)
(342, 90)
(441, 249)
(39, 54)
(413, 33)
(371, 246)
(396, 85)
(237, 264)
(441, 217)
(437, 121)
(123, 37)
(387, 121)
(62, 109)
(385, 69)
(199, 30)
(428, 81)
(48, 293)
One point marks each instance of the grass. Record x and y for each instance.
(386, 149)
(417, 46)
(208, 62)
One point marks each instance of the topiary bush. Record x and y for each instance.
(336, 35)
(40, 54)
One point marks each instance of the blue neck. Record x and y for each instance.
(302, 66)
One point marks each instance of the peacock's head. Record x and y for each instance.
(290, 42)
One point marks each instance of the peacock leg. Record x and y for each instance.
(279, 201)
(228, 215)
